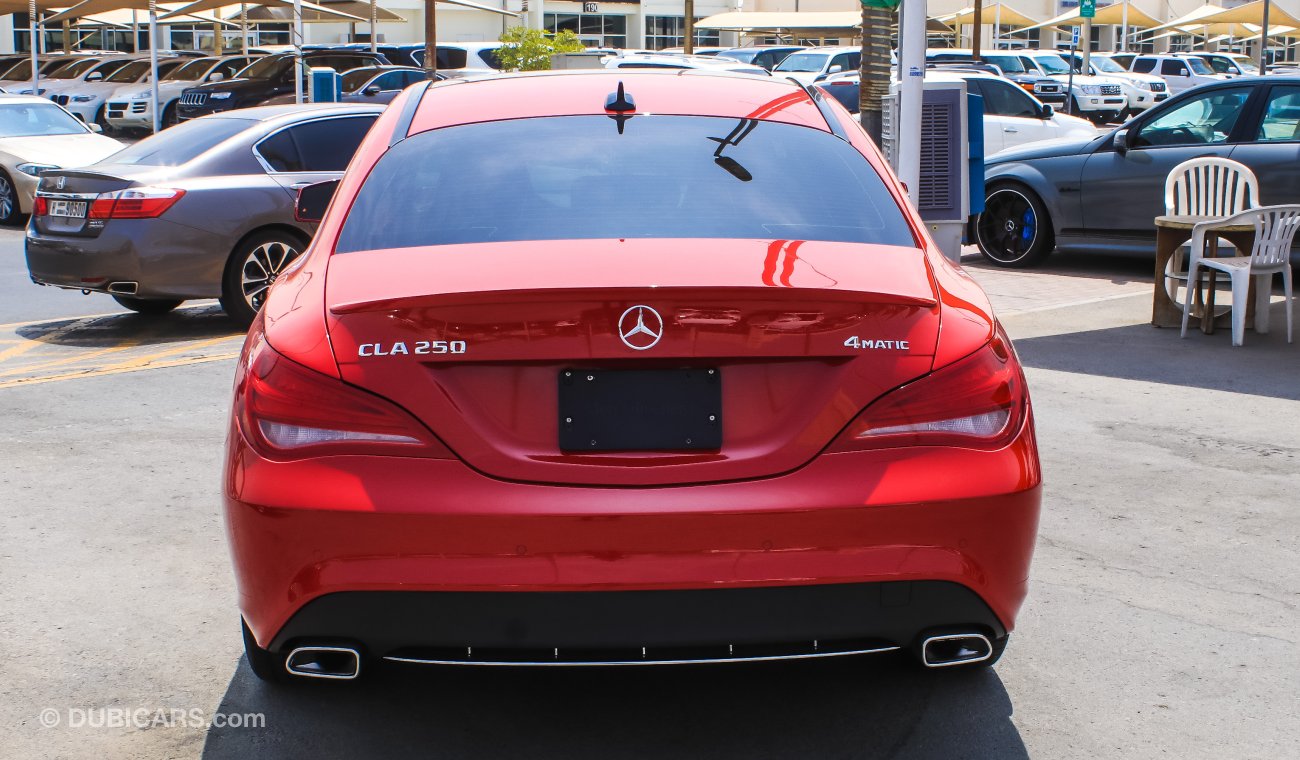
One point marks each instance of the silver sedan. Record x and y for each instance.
(204, 209)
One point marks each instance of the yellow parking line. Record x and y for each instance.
(116, 370)
(206, 303)
(41, 366)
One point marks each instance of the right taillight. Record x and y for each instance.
(978, 401)
(288, 410)
(136, 203)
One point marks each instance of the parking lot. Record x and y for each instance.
(1161, 620)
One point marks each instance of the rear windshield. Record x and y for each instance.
(182, 143)
(577, 177)
(192, 71)
(130, 72)
(803, 62)
(74, 69)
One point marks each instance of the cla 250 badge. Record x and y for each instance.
(418, 348)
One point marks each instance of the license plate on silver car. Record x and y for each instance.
(74, 209)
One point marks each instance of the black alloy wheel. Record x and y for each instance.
(1013, 230)
(11, 211)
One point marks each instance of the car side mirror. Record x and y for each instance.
(217, 77)
(313, 200)
(95, 128)
(1047, 112)
(835, 69)
(94, 76)
(372, 90)
(1183, 73)
(1120, 141)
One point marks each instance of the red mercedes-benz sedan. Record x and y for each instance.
(625, 368)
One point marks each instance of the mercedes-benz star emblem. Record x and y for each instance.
(640, 327)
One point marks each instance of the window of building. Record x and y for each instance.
(670, 31)
(594, 29)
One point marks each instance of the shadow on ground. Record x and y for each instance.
(1266, 365)
(184, 324)
(1114, 267)
(880, 707)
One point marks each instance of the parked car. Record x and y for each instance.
(88, 100)
(704, 50)
(813, 64)
(129, 106)
(1097, 99)
(767, 56)
(1028, 78)
(21, 73)
(204, 209)
(1180, 72)
(264, 79)
(671, 61)
(1012, 117)
(1229, 64)
(88, 69)
(1103, 194)
(458, 59)
(371, 84)
(36, 136)
(699, 390)
(1141, 90)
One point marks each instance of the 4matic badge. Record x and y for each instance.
(872, 343)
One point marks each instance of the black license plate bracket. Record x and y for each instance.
(640, 410)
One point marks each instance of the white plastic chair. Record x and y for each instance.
(1208, 186)
(1275, 228)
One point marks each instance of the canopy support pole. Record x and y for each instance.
(1123, 34)
(911, 69)
(374, 20)
(153, 63)
(243, 27)
(36, 69)
(1263, 41)
(431, 39)
(297, 51)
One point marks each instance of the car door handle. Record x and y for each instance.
(300, 185)
(1010, 129)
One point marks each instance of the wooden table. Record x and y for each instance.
(1171, 232)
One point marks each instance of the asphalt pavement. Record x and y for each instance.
(1161, 620)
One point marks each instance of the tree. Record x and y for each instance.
(531, 49)
(877, 23)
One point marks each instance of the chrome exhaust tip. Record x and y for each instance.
(955, 649)
(337, 663)
(123, 288)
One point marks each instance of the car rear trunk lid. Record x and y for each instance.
(479, 341)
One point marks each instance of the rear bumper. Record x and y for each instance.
(404, 553)
(165, 259)
(629, 626)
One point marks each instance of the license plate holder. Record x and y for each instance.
(640, 410)
(67, 209)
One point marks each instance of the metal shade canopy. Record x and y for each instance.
(321, 12)
(740, 21)
(1195, 18)
(1004, 14)
(1253, 13)
(1107, 15)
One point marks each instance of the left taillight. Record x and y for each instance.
(976, 402)
(289, 411)
(135, 203)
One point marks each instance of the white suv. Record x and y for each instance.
(815, 64)
(129, 107)
(1180, 72)
(1142, 90)
(1098, 99)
